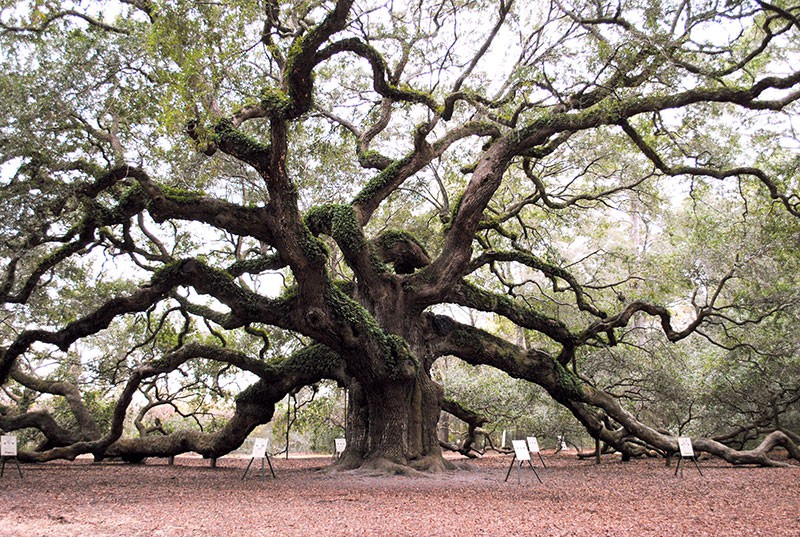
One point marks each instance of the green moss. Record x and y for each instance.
(611, 109)
(315, 359)
(182, 196)
(487, 300)
(466, 338)
(351, 312)
(344, 286)
(295, 51)
(381, 180)
(340, 222)
(453, 212)
(377, 261)
(345, 229)
(256, 393)
(373, 159)
(567, 381)
(402, 250)
(369, 155)
(224, 132)
(407, 93)
(314, 249)
(275, 101)
(392, 237)
(289, 293)
(394, 349)
(299, 74)
(252, 266)
(131, 196)
(399, 354)
(166, 273)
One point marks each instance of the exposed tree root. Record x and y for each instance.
(382, 466)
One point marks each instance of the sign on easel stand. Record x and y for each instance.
(8, 450)
(260, 452)
(533, 447)
(339, 445)
(522, 455)
(687, 452)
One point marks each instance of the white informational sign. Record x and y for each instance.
(563, 442)
(341, 444)
(8, 446)
(260, 448)
(521, 450)
(533, 444)
(685, 444)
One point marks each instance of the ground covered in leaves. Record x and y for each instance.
(577, 498)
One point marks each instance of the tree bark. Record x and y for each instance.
(392, 426)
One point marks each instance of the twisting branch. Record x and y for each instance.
(380, 72)
(87, 426)
(297, 79)
(473, 420)
(552, 272)
(791, 201)
(51, 18)
(482, 300)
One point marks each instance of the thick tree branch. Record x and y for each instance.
(87, 426)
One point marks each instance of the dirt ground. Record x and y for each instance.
(577, 498)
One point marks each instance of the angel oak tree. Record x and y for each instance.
(163, 160)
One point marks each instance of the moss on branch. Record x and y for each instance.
(398, 360)
(568, 382)
(381, 180)
(240, 145)
(402, 250)
(340, 222)
(275, 102)
(182, 196)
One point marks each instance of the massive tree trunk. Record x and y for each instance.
(392, 425)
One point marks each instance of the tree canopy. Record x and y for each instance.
(227, 201)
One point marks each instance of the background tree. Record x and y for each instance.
(196, 180)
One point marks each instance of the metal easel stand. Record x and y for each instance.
(680, 460)
(3, 465)
(519, 470)
(263, 472)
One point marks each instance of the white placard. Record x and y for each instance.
(533, 444)
(685, 444)
(8, 446)
(521, 450)
(341, 444)
(260, 448)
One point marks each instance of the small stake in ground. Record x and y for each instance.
(521, 454)
(260, 452)
(533, 447)
(687, 452)
(8, 450)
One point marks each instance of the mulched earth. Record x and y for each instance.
(577, 498)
